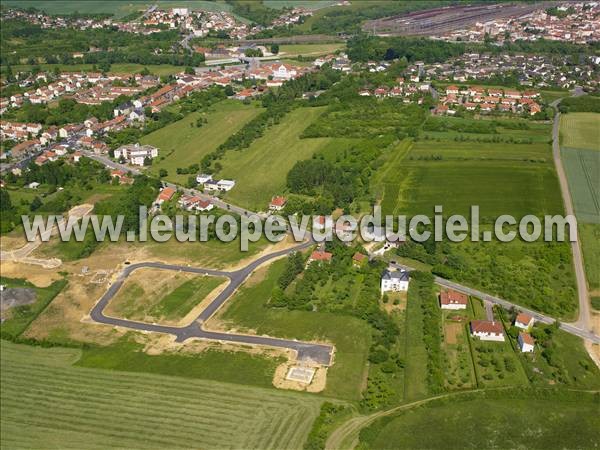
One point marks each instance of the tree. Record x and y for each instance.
(36, 203)
(189, 70)
(229, 90)
(147, 161)
(163, 173)
(5, 203)
(275, 49)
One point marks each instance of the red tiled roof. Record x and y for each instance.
(321, 256)
(523, 318)
(278, 201)
(451, 297)
(166, 194)
(485, 326)
(527, 338)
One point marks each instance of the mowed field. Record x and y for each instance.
(309, 49)
(456, 175)
(490, 423)
(580, 130)
(583, 173)
(182, 144)
(260, 170)
(48, 403)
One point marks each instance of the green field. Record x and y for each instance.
(237, 367)
(171, 301)
(589, 233)
(260, 171)
(582, 168)
(457, 175)
(351, 336)
(490, 423)
(119, 8)
(308, 49)
(180, 144)
(580, 130)
(48, 403)
(119, 68)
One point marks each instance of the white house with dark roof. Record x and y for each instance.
(394, 281)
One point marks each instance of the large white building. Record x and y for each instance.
(136, 153)
(394, 281)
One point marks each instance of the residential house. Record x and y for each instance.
(526, 342)
(524, 321)
(487, 330)
(165, 195)
(450, 299)
(359, 260)
(319, 256)
(277, 203)
(135, 153)
(394, 280)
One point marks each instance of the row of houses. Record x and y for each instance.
(477, 98)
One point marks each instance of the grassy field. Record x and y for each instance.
(119, 8)
(490, 175)
(580, 130)
(181, 144)
(238, 367)
(309, 49)
(351, 336)
(415, 372)
(120, 68)
(490, 423)
(583, 172)
(154, 295)
(19, 318)
(46, 402)
(269, 159)
(589, 234)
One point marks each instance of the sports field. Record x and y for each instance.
(48, 403)
(260, 170)
(182, 144)
(490, 423)
(583, 172)
(580, 130)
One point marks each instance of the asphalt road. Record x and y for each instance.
(320, 353)
(574, 329)
(584, 320)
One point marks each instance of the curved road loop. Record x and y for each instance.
(320, 353)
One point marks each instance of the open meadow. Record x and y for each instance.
(47, 402)
(247, 310)
(490, 422)
(118, 68)
(166, 297)
(582, 168)
(580, 130)
(182, 143)
(260, 170)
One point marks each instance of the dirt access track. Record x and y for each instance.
(22, 254)
(306, 351)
